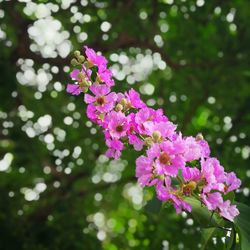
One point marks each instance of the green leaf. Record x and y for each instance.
(207, 234)
(202, 215)
(242, 224)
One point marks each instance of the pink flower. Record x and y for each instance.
(103, 100)
(105, 76)
(134, 99)
(228, 211)
(191, 174)
(212, 200)
(115, 148)
(232, 182)
(75, 73)
(116, 123)
(148, 114)
(126, 118)
(214, 175)
(144, 171)
(193, 150)
(205, 150)
(91, 113)
(136, 142)
(94, 58)
(73, 89)
(167, 160)
(166, 129)
(165, 193)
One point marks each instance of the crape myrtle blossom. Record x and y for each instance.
(102, 100)
(177, 166)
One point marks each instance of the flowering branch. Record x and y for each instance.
(169, 157)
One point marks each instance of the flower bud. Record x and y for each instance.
(192, 184)
(199, 137)
(118, 107)
(74, 62)
(77, 53)
(123, 102)
(148, 141)
(161, 177)
(81, 59)
(156, 136)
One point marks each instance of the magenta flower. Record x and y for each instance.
(115, 148)
(214, 175)
(75, 73)
(105, 76)
(103, 100)
(117, 124)
(212, 200)
(136, 142)
(164, 193)
(167, 159)
(205, 150)
(73, 89)
(232, 182)
(193, 150)
(148, 114)
(94, 58)
(144, 171)
(191, 174)
(125, 118)
(133, 98)
(228, 211)
(166, 129)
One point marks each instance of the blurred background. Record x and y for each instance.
(57, 189)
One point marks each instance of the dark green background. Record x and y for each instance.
(206, 79)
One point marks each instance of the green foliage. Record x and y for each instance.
(190, 58)
(243, 225)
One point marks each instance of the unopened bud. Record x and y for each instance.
(192, 184)
(81, 59)
(74, 62)
(77, 53)
(148, 141)
(123, 101)
(162, 177)
(118, 107)
(199, 137)
(156, 136)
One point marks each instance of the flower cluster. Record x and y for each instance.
(169, 157)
